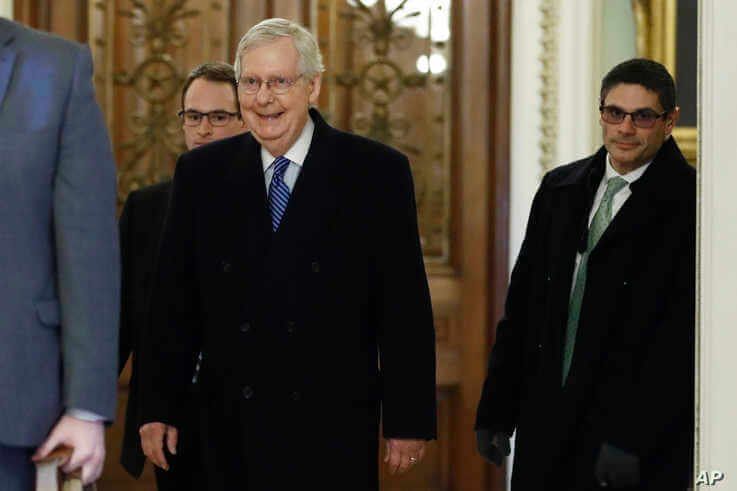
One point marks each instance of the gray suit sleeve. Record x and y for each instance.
(88, 258)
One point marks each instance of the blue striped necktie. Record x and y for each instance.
(278, 192)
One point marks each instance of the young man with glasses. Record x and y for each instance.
(209, 112)
(593, 362)
(293, 263)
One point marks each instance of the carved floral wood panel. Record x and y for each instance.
(389, 78)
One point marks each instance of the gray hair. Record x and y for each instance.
(269, 30)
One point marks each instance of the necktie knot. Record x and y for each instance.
(613, 186)
(280, 165)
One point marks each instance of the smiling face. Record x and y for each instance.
(276, 120)
(206, 96)
(631, 147)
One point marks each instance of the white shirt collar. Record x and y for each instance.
(298, 152)
(630, 177)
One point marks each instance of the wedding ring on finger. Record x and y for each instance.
(413, 460)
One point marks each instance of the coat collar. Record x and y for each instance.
(589, 174)
(245, 214)
(313, 176)
(654, 180)
(660, 179)
(7, 55)
(660, 186)
(652, 195)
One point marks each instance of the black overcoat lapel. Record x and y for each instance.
(311, 205)
(572, 200)
(651, 196)
(571, 204)
(245, 201)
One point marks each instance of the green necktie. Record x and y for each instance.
(598, 225)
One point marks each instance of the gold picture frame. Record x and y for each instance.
(656, 27)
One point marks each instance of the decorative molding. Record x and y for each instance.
(656, 31)
(656, 39)
(381, 80)
(549, 83)
(688, 141)
(157, 30)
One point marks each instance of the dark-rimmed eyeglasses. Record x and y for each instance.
(190, 117)
(277, 85)
(642, 118)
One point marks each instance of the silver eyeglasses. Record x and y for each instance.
(277, 85)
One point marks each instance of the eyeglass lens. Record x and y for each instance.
(643, 118)
(216, 118)
(278, 85)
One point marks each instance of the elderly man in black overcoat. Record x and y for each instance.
(593, 365)
(291, 260)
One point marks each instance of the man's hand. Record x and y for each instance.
(403, 454)
(492, 447)
(87, 438)
(152, 442)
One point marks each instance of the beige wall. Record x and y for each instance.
(6, 8)
(718, 241)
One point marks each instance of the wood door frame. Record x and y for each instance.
(67, 19)
(481, 137)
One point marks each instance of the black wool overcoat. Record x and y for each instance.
(309, 334)
(631, 382)
(141, 223)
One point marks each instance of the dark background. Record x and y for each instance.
(686, 65)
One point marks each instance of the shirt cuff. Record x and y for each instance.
(84, 415)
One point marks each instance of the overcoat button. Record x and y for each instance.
(291, 327)
(245, 327)
(227, 267)
(315, 267)
(247, 392)
(296, 396)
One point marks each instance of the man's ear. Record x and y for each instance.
(671, 119)
(315, 89)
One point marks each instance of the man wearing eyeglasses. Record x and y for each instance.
(209, 112)
(293, 263)
(594, 358)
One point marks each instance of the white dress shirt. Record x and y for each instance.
(296, 154)
(617, 201)
(84, 415)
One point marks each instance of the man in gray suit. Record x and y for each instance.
(59, 259)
